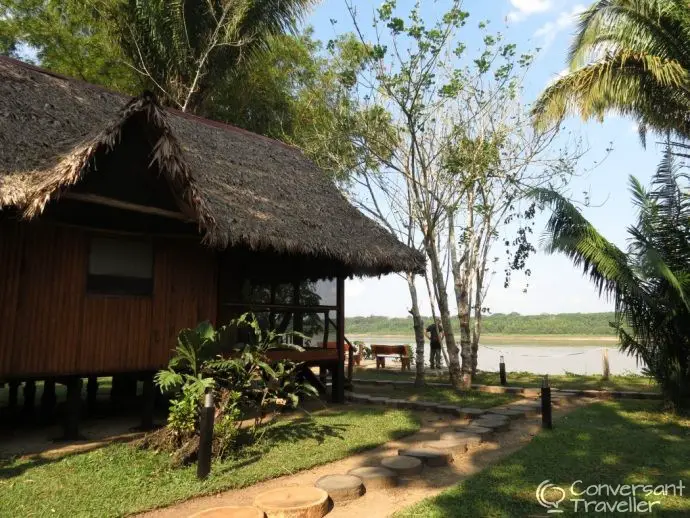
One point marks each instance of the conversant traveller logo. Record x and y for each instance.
(605, 498)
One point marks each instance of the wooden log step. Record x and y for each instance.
(341, 488)
(230, 512)
(508, 412)
(403, 466)
(431, 457)
(293, 502)
(497, 424)
(470, 439)
(375, 477)
(481, 431)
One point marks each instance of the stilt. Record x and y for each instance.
(29, 397)
(73, 408)
(148, 402)
(12, 399)
(116, 394)
(92, 394)
(48, 400)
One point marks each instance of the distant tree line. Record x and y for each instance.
(591, 324)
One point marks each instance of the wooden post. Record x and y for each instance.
(74, 385)
(29, 397)
(546, 404)
(297, 316)
(91, 393)
(607, 368)
(203, 467)
(502, 371)
(148, 402)
(12, 397)
(338, 388)
(48, 400)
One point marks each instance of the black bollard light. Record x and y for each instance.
(546, 404)
(203, 467)
(502, 370)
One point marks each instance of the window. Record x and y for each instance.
(118, 267)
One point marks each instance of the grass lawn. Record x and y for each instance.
(118, 479)
(632, 382)
(612, 443)
(472, 399)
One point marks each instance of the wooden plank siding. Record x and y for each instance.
(50, 326)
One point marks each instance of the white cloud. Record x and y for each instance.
(525, 8)
(548, 32)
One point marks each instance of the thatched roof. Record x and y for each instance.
(244, 189)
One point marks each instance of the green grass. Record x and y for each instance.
(629, 382)
(622, 442)
(118, 479)
(471, 399)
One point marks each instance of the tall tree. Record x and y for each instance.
(631, 57)
(650, 283)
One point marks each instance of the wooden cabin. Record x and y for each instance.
(122, 222)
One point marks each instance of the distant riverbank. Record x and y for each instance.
(503, 339)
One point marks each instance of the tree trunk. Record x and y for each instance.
(418, 324)
(476, 333)
(440, 288)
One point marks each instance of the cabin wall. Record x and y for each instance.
(50, 326)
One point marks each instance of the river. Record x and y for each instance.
(543, 356)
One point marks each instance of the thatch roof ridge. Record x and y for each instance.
(244, 188)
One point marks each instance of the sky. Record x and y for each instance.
(555, 285)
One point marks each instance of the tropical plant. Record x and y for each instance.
(245, 384)
(185, 50)
(650, 283)
(631, 57)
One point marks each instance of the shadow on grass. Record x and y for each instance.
(604, 443)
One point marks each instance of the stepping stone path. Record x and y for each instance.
(403, 465)
(432, 457)
(230, 512)
(375, 477)
(341, 488)
(293, 502)
(445, 439)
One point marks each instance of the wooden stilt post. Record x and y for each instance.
(546, 422)
(29, 397)
(502, 371)
(48, 400)
(203, 467)
(338, 388)
(148, 402)
(13, 396)
(74, 385)
(91, 393)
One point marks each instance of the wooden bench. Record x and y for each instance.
(356, 356)
(382, 351)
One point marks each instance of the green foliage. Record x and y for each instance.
(582, 324)
(651, 282)
(631, 58)
(245, 383)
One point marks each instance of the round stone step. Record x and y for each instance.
(508, 412)
(402, 465)
(375, 477)
(470, 439)
(432, 457)
(497, 424)
(293, 502)
(481, 431)
(230, 512)
(341, 488)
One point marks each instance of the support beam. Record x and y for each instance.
(48, 400)
(338, 388)
(125, 205)
(148, 402)
(12, 398)
(73, 408)
(29, 397)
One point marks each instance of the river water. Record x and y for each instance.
(574, 356)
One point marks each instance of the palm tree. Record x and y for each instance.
(186, 48)
(631, 57)
(650, 284)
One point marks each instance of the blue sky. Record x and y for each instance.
(555, 285)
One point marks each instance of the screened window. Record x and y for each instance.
(120, 267)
